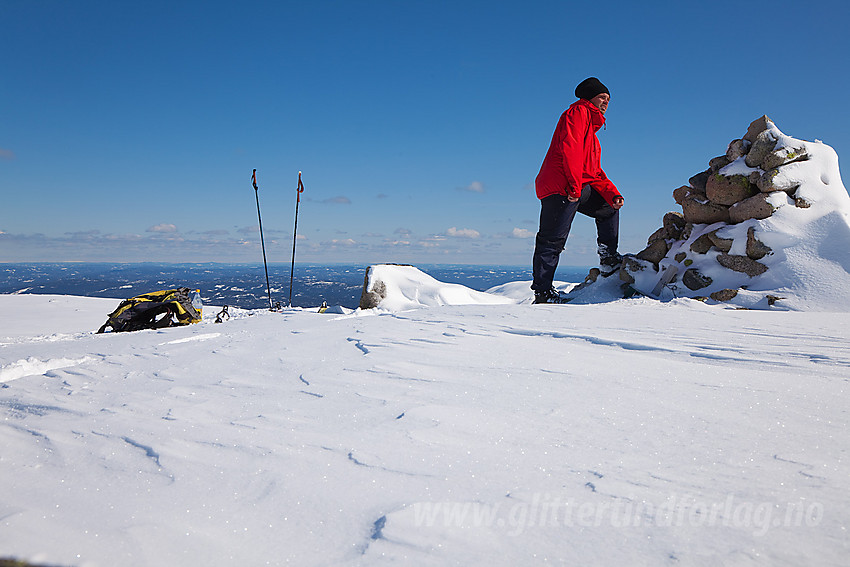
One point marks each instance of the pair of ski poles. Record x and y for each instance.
(262, 241)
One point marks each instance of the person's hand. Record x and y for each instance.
(618, 202)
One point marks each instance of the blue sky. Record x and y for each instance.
(130, 129)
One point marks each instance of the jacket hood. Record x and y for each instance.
(597, 119)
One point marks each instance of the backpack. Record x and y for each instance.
(156, 310)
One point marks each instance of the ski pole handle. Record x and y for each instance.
(300, 187)
(254, 180)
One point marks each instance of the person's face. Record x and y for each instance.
(601, 101)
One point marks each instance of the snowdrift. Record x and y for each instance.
(396, 288)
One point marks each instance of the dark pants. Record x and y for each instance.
(556, 218)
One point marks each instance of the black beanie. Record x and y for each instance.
(590, 87)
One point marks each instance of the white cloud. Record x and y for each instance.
(522, 233)
(163, 228)
(474, 187)
(463, 232)
(337, 201)
(83, 234)
(340, 242)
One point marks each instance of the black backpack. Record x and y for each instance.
(155, 310)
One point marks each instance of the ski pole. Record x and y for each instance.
(262, 242)
(295, 235)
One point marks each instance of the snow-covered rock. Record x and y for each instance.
(396, 287)
(771, 217)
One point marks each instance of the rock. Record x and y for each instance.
(631, 265)
(373, 291)
(764, 144)
(722, 244)
(702, 244)
(737, 149)
(769, 181)
(698, 211)
(718, 163)
(674, 224)
(784, 156)
(372, 298)
(694, 280)
(771, 299)
(724, 295)
(657, 235)
(801, 203)
(589, 279)
(680, 193)
(686, 232)
(728, 190)
(756, 249)
(743, 264)
(655, 252)
(680, 256)
(698, 181)
(765, 181)
(756, 127)
(756, 207)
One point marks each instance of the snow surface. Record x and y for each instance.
(631, 432)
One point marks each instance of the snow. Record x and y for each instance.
(627, 432)
(407, 287)
(738, 167)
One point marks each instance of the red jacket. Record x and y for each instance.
(573, 159)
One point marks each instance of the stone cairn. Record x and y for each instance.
(713, 197)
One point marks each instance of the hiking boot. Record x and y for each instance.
(551, 295)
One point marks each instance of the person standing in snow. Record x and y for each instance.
(571, 179)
